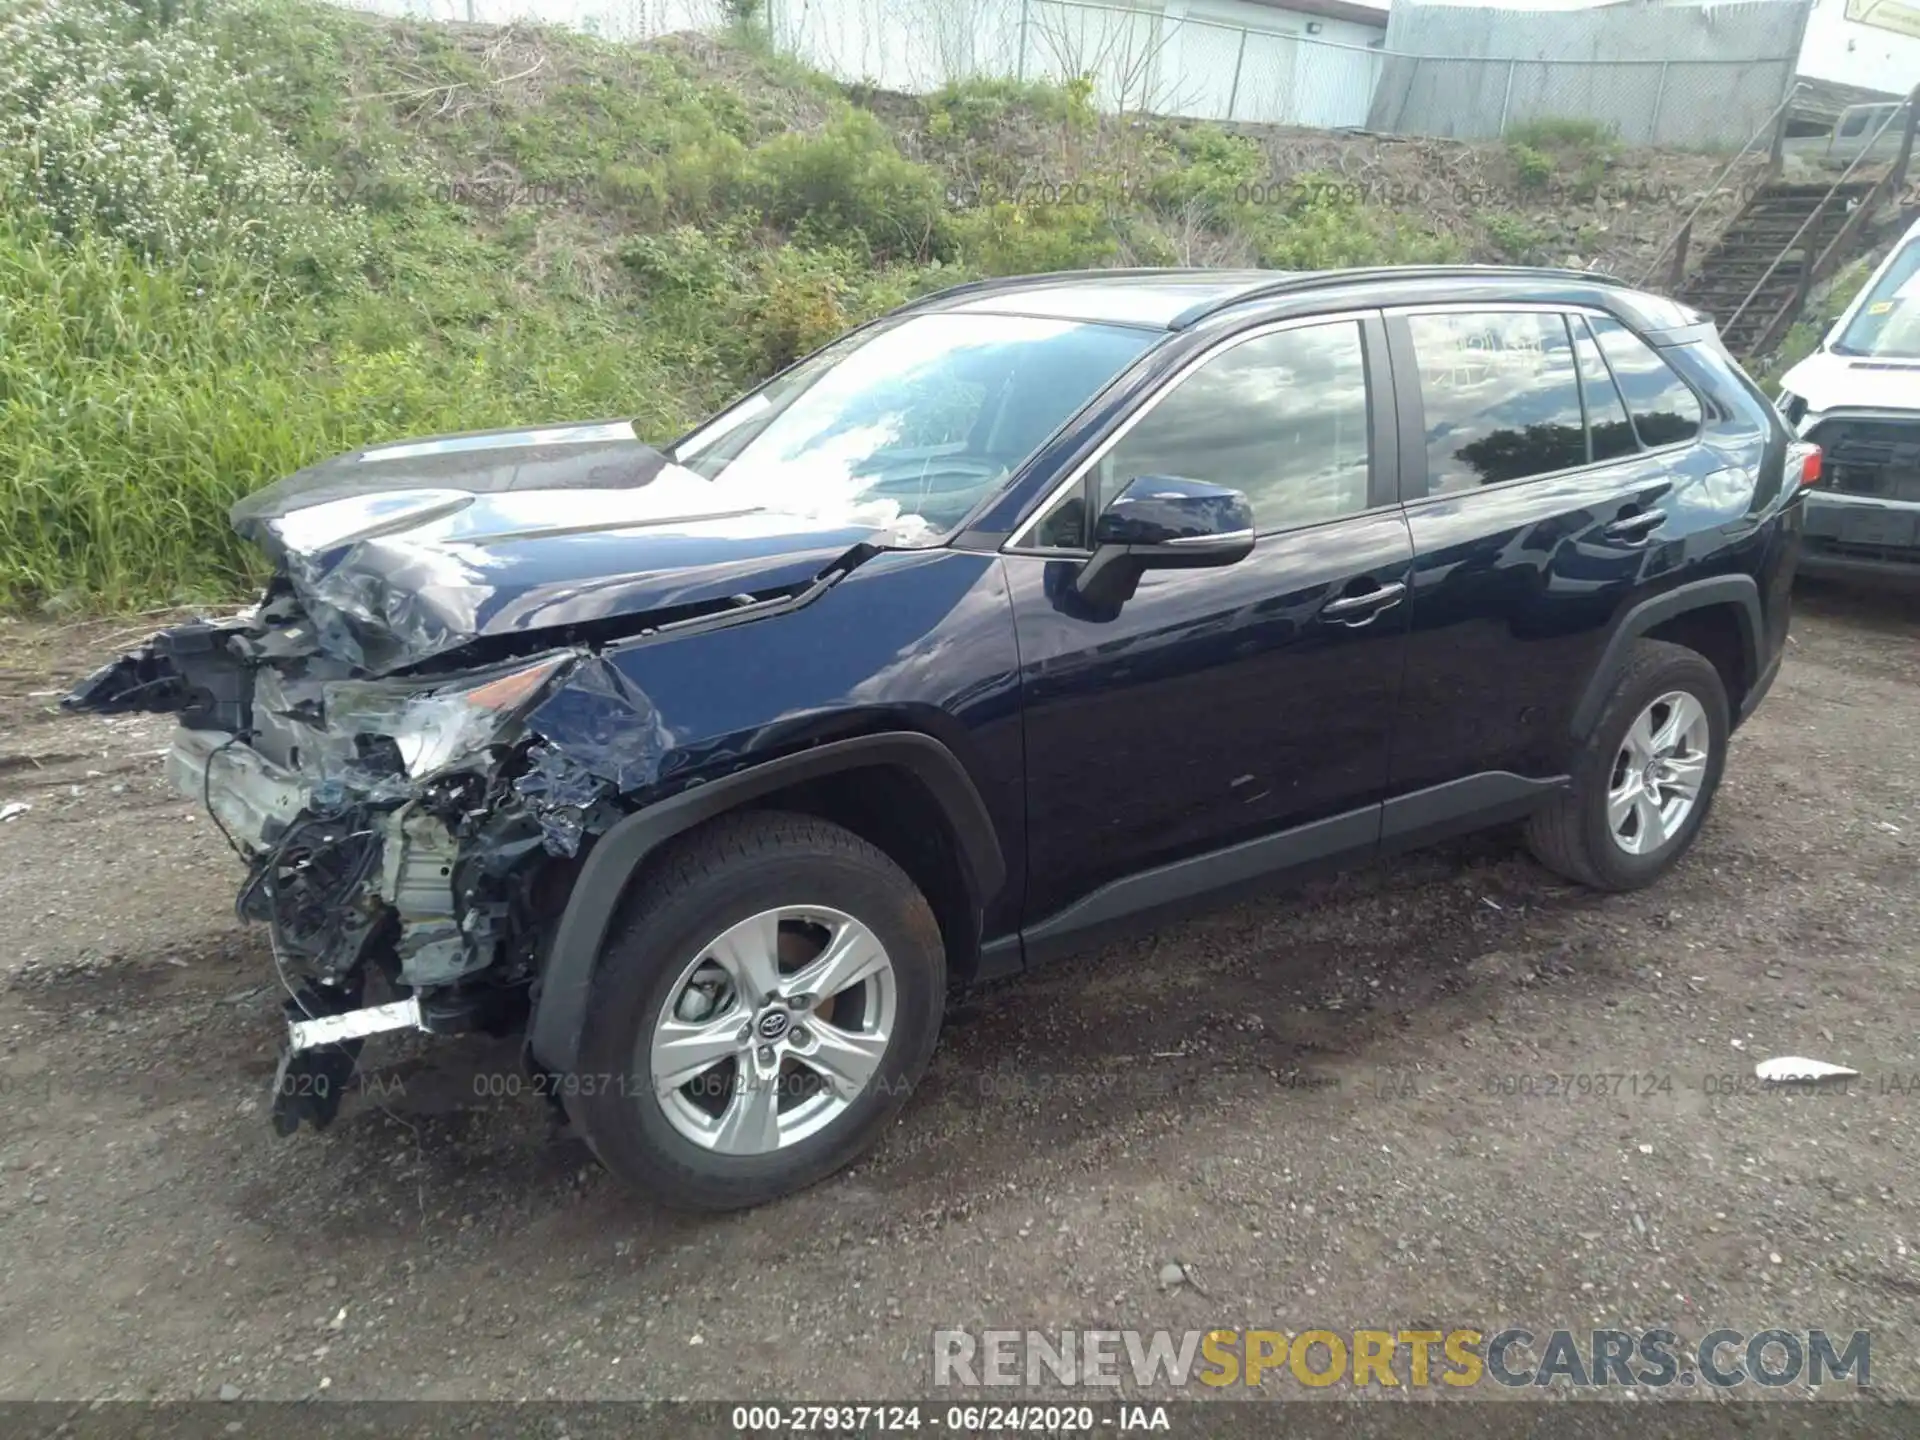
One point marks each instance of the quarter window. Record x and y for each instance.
(1607, 423)
(1501, 398)
(1664, 410)
(1282, 417)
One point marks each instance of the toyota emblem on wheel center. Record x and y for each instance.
(773, 1024)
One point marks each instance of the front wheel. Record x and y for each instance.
(1644, 781)
(763, 1006)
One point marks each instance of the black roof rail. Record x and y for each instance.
(997, 283)
(1288, 283)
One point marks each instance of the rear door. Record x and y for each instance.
(1537, 500)
(1219, 706)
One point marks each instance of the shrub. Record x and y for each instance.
(979, 106)
(1514, 237)
(1014, 239)
(1321, 224)
(1564, 132)
(1533, 168)
(1218, 173)
(848, 185)
(116, 123)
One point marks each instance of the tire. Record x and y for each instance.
(731, 873)
(1574, 835)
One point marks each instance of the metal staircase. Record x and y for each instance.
(1756, 279)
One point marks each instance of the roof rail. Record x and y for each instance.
(1287, 284)
(995, 283)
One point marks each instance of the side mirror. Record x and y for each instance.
(1173, 523)
(1162, 522)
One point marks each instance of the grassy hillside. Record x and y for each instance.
(238, 235)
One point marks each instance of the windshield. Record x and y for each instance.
(1888, 320)
(910, 423)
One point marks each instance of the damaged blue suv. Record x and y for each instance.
(1036, 607)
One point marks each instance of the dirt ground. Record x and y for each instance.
(1329, 1105)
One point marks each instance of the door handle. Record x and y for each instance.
(1633, 528)
(1360, 609)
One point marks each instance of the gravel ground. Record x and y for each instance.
(1328, 1106)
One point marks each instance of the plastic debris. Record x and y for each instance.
(1787, 1069)
(14, 809)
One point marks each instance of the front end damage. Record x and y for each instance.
(409, 840)
(415, 735)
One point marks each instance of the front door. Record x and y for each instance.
(1215, 707)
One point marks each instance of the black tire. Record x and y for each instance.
(721, 874)
(1571, 836)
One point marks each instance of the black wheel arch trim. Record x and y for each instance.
(1739, 591)
(560, 1007)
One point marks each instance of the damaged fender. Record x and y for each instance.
(560, 1009)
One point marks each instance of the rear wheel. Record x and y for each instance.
(762, 1008)
(1646, 778)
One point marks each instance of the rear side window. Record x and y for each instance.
(1664, 410)
(1607, 423)
(1501, 397)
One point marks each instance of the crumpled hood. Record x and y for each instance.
(1829, 382)
(405, 551)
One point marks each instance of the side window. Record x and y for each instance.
(1664, 410)
(1282, 417)
(1607, 423)
(1500, 395)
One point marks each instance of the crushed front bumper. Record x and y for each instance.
(253, 799)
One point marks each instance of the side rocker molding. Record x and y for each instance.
(1740, 591)
(553, 1036)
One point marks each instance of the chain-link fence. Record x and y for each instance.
(1143, 59)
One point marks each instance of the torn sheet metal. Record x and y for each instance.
(603, 738)
(404, 553)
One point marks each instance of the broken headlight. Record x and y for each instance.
(436, 725)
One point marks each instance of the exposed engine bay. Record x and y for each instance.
(412, 834)
(413, 735)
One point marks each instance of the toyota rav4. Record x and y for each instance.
(1037, 607)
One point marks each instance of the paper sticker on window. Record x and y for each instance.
(1880, 307)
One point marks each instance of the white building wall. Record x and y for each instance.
(1880, 51)
(1170, 57)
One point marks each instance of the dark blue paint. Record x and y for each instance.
(1199, 709)
(1163, 509)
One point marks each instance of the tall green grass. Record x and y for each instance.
(340, 253)
(139, 399)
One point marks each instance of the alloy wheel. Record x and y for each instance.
(773, 1030)
(1658, 772)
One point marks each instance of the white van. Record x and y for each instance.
(1858, 398)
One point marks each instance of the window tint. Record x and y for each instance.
(1282, 418)
(1500, 395)
(1664, 410)
(1607, 423)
